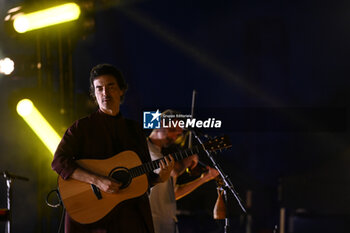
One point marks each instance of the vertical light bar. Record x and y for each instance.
(38, 123)
(47, 17)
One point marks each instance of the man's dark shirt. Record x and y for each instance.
(101, 136)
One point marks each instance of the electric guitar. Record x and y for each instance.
(85, 203)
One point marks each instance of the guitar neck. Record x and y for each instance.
(153, 165)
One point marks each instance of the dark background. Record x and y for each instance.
(254, 55)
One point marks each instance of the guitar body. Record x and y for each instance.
(79, 199)
(85, 203)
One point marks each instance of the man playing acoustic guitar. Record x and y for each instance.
(103, 135)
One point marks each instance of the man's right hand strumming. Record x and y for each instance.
(107, 184)
(104, 183)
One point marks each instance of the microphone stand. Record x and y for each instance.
(194, 92)
(227, 184)
(9, 178)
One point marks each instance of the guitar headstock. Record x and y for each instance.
(218, 143)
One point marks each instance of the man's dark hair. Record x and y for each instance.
(107, 69)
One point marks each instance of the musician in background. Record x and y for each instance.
(163, 196)
(102, 135)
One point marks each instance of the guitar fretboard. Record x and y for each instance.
(153, 165)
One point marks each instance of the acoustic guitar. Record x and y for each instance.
(85, 203)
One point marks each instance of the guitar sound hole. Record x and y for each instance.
(121, 175)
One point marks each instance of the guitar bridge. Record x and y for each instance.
(96, 191)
